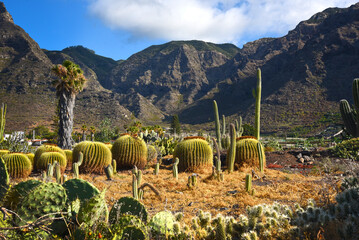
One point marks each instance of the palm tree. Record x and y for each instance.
(92, 130)
(84, 129)
(69, 83)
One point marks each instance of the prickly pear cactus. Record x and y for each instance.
(129, 151)
(96, 156)
(4, 179)
(247, 152)
(16, 193)
(125, 221)
(194, 154)
(68, 158)
(129, 206)
(46, 148)
(43, 199)
(162, 223)
(51, 157)
(94, 210)
(79, 189)
(133, 232)
(18, 165)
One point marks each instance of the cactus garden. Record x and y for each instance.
(148, 184)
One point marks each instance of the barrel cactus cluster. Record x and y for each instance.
(194, 154)
(130, 151)
(96, 156)
(46, 148)
(47, 158)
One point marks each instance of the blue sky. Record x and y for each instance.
(120, 28)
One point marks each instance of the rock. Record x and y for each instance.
(299, 155)
(301, 160)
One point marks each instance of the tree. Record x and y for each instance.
(175, 125)
(84, 129)
(69, 83)
(92, 130)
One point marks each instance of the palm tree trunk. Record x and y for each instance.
(83, 136)
(66, 120)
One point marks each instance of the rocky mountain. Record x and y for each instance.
(25, 83)
(304, 75)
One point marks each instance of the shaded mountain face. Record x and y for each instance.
(304, 75)
(172, 75)
(25, 84)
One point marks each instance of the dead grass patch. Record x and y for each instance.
(227, 197)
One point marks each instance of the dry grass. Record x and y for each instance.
(227, 198)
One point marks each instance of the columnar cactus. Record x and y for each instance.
(351, 116)
(248, 184)
(223, 125)
(216, 121)
(247, 152)
(109, 172)
(18, 165)
(129, 151)
(261, 157)
(2, 121)
(46, 148)
(231, 155)
(4, 179)
(96, 156)
(194, 154)
(51, 157)
(175, 168)
(257, 94)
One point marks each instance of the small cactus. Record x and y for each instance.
(248, 183)
(175, 169)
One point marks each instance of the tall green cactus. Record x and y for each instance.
(351, 116)
(217, 124)
(18, 165)
(4, 179)
(247, 152)
(194, 154)
(129, 151)
(261, 157)
(96, 156)
(257, 94)
(51, 157)
(231, 156)
(2, 121)
(239, 127)
(223, 125)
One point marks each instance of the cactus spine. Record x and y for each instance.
(257, 94)
(351, 116)
(216, 121)
(248, 182)
(175, 169)
(231, 156)
(2, 122)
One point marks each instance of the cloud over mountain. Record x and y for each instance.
(209, 20)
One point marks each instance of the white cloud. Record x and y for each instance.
(209, 20)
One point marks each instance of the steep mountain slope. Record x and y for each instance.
(305, 73)
(25, 84)
(173, 74)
